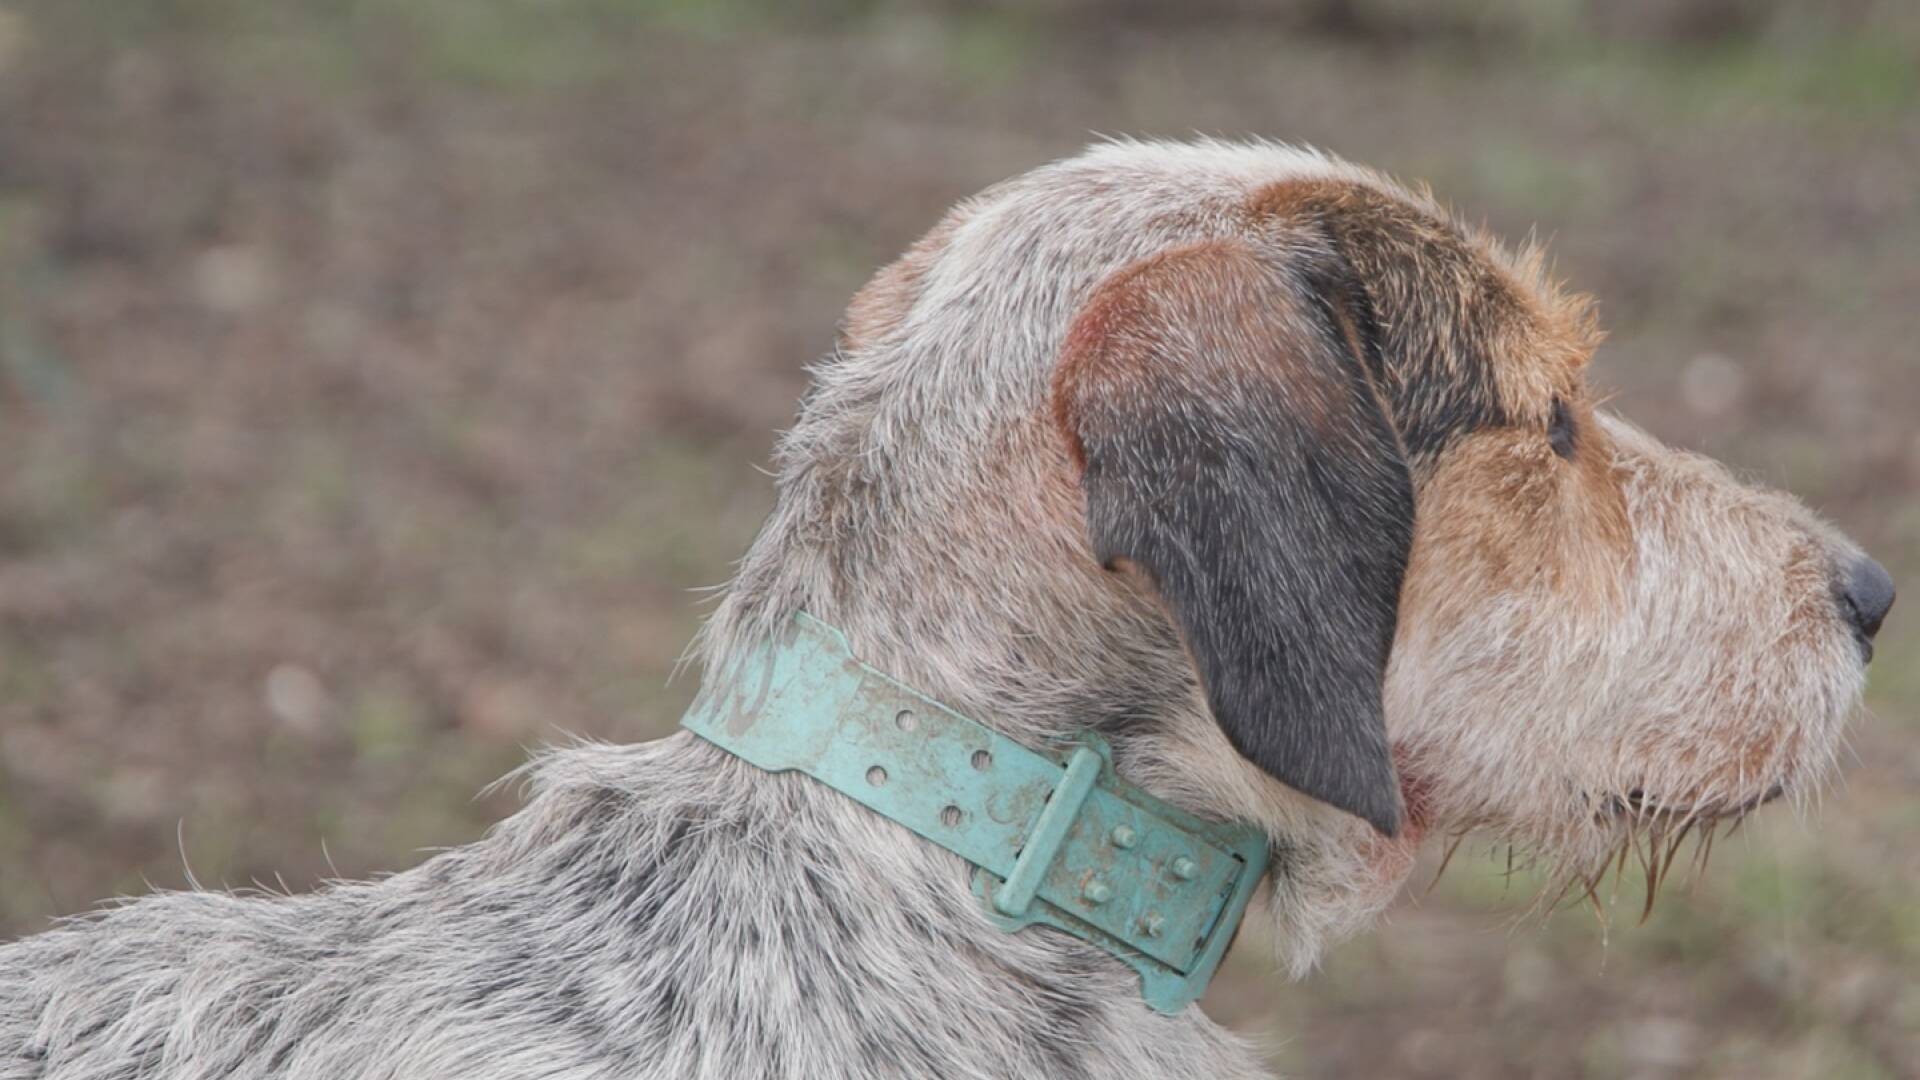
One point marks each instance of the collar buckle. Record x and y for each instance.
(1162, 890)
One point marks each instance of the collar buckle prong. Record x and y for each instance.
(1049, 833)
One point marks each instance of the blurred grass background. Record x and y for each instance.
(378, 378)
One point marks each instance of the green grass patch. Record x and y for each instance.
(1521, 176)
(387, 724)
(1854, 76)
(511, 46)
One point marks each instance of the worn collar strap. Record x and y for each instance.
(1056, 839)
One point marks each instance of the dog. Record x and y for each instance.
(1257, 464)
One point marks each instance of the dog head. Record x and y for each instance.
(1293, 484)
(1353, 451)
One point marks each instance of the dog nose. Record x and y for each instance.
(1866, 595)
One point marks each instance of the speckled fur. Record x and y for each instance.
(1630, 620)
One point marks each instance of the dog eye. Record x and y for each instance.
(1560, 430)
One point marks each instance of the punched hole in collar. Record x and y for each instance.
(950, 816)
(982, 760)
(905, 721)
(876, 776)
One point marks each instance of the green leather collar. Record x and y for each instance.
(1056, 839)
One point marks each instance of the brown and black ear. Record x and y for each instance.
(1234, 449)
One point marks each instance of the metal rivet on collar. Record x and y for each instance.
(1124, 837)
(1184, 868)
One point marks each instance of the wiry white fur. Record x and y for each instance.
(661, 910)
(667, 911)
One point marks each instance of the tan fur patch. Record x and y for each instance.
(1471, 297)
(1503, 515)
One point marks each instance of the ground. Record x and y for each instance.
(381, 379)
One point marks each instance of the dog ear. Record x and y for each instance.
(1233, 447)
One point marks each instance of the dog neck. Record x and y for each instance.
(975, 586)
